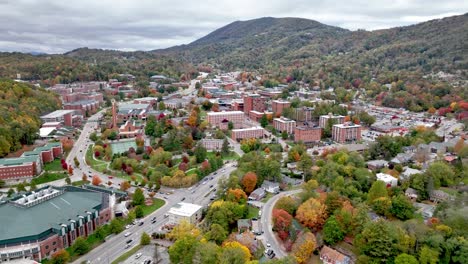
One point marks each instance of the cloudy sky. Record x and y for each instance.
(57, 26)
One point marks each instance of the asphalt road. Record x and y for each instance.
(269, 236)
(199, 194)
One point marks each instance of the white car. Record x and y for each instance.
(127, 234)
(137, 256)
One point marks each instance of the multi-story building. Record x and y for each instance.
(256, 116)
(83, 107)
(336, 119)
(222, 119)
(39, 223)
(191, 213)
(303, 114)
(348, 132)
(131, 128)
(277, 106)
(129, 111)
(237, 105)
(63, 116)
(254, 102)
(307, 134)
(212, 144)
(30, 164)
(251, 132)
(146, 100)
(284, 124)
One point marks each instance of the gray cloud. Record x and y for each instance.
(56, 26)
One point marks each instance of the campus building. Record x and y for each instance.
(277, 106)
(192, 213)
(348, 132)
(307, 134)
(39, 223)
(284, 124)
(62, 116)
(336, 119)
(254, 102)
(30, 163)
(251, 132)
(221, 119)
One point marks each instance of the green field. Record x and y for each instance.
(55, 165)
(48, 177)
(157, 203)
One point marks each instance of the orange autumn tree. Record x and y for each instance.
(125, 185)
(236, 195)
(96, 180)
(249, 181)
(312, 213)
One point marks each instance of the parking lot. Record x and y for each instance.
(147, 252)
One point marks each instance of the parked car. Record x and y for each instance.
(137, 256)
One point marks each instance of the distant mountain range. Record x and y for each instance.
(285, 44)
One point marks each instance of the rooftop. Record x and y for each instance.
(18, 161)
(185, 209)
(225, 113)
(247, 129)
(21, 222)
(126, 107)
(56, 114)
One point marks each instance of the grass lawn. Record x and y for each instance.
(79, 183)
(127, 254)
(157, 203)
(232, 155)
(53, 166)
(48, 177)
(95, 164)
(267, 197)
(253, 212)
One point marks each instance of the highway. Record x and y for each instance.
(269, 236)
(198, 194)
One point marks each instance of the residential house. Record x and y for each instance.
(376, 164)
(330, 256)
(388, 179)
(411, 193)
(244, 225)
(407, 172)
(438, 195)
(257, 194)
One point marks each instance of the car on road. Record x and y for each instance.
(137, 256)
(211, 186)
(268, 244)
(183, 199)
(148, 261)
(129, 241)
(128, 245)
(154, 218)
(153, 221)
(166, 215)
(141, 223)
(127, 226)
(127, 234)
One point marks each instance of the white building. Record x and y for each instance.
(388, 179)
(190, 212)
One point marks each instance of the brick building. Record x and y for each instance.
(131, 129)
(277, 106)
(212, 144)
(237, 105)
(252, 132)
(324, 119)
(39, 223)
(307, 134)
(284, 124)
(348, 132)
(254, 102)
(83, 107)
(65, 117)
(303, 114)
(222, 119)
(256, 115)
(30, 163)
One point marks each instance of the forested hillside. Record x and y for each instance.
(21, 105)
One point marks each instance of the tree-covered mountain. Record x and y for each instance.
(21, 105)
(271, 42)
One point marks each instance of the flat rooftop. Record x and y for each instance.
(19, 222)
(185, 209)
(57, 113)
(225, 113)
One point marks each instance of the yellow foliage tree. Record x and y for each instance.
(312, 213)
(184, 228)
(304, 247)
(235, 244)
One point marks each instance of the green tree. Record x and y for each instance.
(377, 241)
(33, 186)
(230, 125)
(10, 192)
(332, 231)
(139, 212)
(428, 255)
(441, 173)
(200, 153)
(80, 246)
(145, 239)
(233, 255)
(68, 180)
(60, 257)
(116, 226)
(225, 147)
(207, 253)
(378, 189)
(288, 204)
(216, 233)
(405, 259)
(305, 164)
(20, 187)
(138, 197)
(264, 121)
(284, 135)
(183, 250)
(401, 207)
